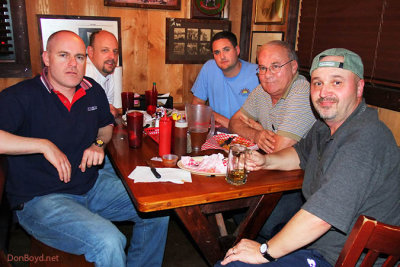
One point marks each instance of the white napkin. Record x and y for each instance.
(143, 174)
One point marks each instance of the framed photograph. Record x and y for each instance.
(84, 26)
(260, 38)
(188, 40)
(154, 4)
(270, 11)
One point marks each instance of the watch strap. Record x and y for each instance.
(267, 255)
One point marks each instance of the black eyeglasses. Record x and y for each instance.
(273, 68)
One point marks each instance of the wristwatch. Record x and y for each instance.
(264, 252)
(99, 143)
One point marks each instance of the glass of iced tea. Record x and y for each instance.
(236, 170)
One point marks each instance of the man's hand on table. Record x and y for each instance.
(247, 251)
(92, 156)
(265, 140)
(255, 161)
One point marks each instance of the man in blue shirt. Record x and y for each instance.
(226, 80)
(54, 128)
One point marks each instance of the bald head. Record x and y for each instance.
(62, 34)
(103, 51)
(65, 58)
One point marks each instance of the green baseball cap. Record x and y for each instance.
(352, 61)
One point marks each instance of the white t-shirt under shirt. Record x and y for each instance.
(107, 83)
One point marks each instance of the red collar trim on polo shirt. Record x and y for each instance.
(79, 92)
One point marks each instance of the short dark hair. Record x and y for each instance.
(93, 37)
(224, 35)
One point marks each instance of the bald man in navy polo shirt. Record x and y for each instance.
(54, 128)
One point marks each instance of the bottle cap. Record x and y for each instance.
(181, 123)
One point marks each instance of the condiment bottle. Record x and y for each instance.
(180, 137)
(164, 146)
(155, 93)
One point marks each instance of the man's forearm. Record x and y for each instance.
(300, 231)
(12, 144)
(285, 160)
(105, 133)
(237, 126)
(224, 121)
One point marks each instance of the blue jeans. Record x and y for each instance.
(81, 224)
(300, 258)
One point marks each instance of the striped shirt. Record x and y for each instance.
(291, 117)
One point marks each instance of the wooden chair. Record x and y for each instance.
(374, 237)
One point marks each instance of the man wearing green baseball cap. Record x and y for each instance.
(351, 166)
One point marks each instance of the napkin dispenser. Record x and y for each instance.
(140, 102)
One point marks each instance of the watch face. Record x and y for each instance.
(99, 142)
(263, 248)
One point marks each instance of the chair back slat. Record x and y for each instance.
(377, 238)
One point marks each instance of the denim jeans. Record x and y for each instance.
(81, 224)
(300, 258)
(289, 204)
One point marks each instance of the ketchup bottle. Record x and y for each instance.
(165, 136)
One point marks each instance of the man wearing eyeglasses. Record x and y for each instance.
(277, 114)
(225, 81)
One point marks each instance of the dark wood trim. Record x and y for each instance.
(245, 29)
(381, 96)
(22, 65)
(293, 15)
(376, 95)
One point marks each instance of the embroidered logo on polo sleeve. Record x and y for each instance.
(92, 108)
(244, 91)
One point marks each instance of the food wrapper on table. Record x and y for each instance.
(216, 141)
(215, 164)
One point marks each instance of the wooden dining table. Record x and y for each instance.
(196, 203)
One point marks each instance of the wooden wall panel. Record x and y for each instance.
(143, 46)
(392, 120)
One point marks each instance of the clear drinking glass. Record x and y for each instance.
(236, 170)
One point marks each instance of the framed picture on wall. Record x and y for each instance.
(188, 40)
(84, 26)
(155, 4)
(270, 11)
(260, 38)
(207, 9)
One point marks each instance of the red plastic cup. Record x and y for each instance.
(151, 101)
(127, 101)
(135, 128)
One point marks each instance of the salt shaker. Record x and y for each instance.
(165, 136)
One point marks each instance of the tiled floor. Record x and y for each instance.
(180, 250)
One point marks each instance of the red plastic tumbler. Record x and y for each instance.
(135, 128)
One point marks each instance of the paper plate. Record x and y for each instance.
(198, 159)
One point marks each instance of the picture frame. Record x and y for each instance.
(217, 9)
(188, 40)
(84, 26)
(270, 11)
(151, 4)
(259, 38)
